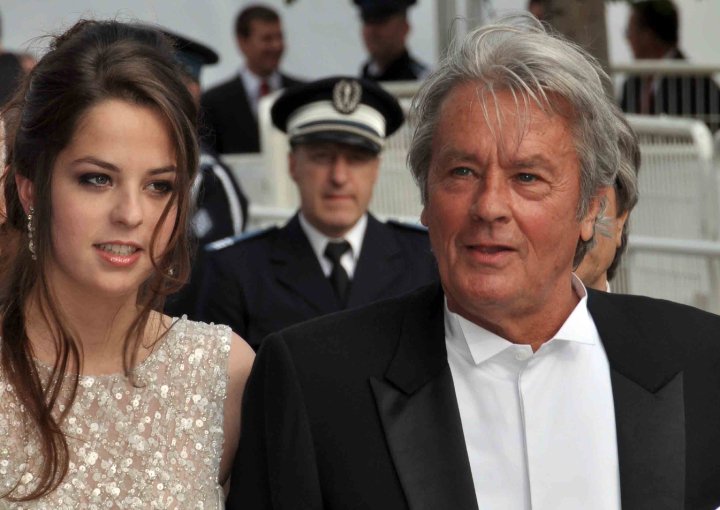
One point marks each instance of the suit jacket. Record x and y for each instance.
(228, 123)
(272, 280)
(685, 95)
(358, 410)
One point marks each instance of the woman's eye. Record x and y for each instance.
(98, 180)
(161, 187)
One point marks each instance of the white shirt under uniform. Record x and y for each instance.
(319, 242)
(539, 428)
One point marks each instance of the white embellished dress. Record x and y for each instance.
(156, 444)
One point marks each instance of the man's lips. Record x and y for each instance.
(489, 249)
(489, 254)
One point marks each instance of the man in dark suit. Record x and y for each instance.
(230, 109)
(385, 29)
(509, 385)
(266, 281)
(652, 32)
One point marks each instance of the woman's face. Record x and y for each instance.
(109, 188)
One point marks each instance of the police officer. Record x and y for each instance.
(332, 254)
(385, 30)
(220, 206)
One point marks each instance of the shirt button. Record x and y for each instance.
(522, 355)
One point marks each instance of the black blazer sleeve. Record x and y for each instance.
(275, 466)
(221, 298)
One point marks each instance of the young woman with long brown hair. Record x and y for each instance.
(104, 401)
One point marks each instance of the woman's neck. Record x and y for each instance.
(98, 324)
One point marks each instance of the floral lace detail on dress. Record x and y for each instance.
(157, 445)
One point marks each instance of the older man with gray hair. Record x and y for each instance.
(510, 385)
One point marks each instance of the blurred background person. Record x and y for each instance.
(230, 109)
(385, 29)
(600, 263)
(220, 207)
(653, 33)
(13, 67)
(333, 254)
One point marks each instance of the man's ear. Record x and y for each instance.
(26, 192)
(291, 165)
(619, 225)
(587, 224)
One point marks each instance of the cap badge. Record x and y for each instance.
(346, 96)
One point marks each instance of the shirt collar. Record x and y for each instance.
(251, 81)
(480, 345)
(319, 241)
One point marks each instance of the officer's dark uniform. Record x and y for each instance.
(263, 282)
(220, 207)
(405, 67)
(271, 280)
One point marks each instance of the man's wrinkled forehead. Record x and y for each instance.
(507, 121)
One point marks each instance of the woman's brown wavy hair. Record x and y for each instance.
(92, 62)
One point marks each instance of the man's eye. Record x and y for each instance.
(98, 180)
(523, 177)
(462, 171)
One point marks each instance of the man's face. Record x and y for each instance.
(639, 38)
(335, 182)
(593, 268)
(263, 47)
(385, 38)
(502, 207)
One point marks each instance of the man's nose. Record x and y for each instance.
(491, 202)
(340, 169)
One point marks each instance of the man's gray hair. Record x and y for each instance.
(519, 55)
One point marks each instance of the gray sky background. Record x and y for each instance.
(323, 36)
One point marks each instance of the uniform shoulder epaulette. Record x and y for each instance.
(223, 243)
(411, 227)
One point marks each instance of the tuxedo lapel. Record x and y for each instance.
(647, 382)
(297, 269)
(419, 413)
(379, 265)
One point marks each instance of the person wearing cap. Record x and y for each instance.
(220, 206)
(332, 254)
(384, 31)
(230, 108)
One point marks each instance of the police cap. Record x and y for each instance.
(340, 109)
(377, 10)
(191, 55)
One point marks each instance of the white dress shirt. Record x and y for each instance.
(319, 242)
(539, 427)
(252, 81)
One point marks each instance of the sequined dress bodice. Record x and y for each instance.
(155, 444)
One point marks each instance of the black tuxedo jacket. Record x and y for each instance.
(357, 410)
(228, 124)
(265, 282)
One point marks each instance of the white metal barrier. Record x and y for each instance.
(673, 249)
(671, 87)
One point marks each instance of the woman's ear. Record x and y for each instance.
(26, 192)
